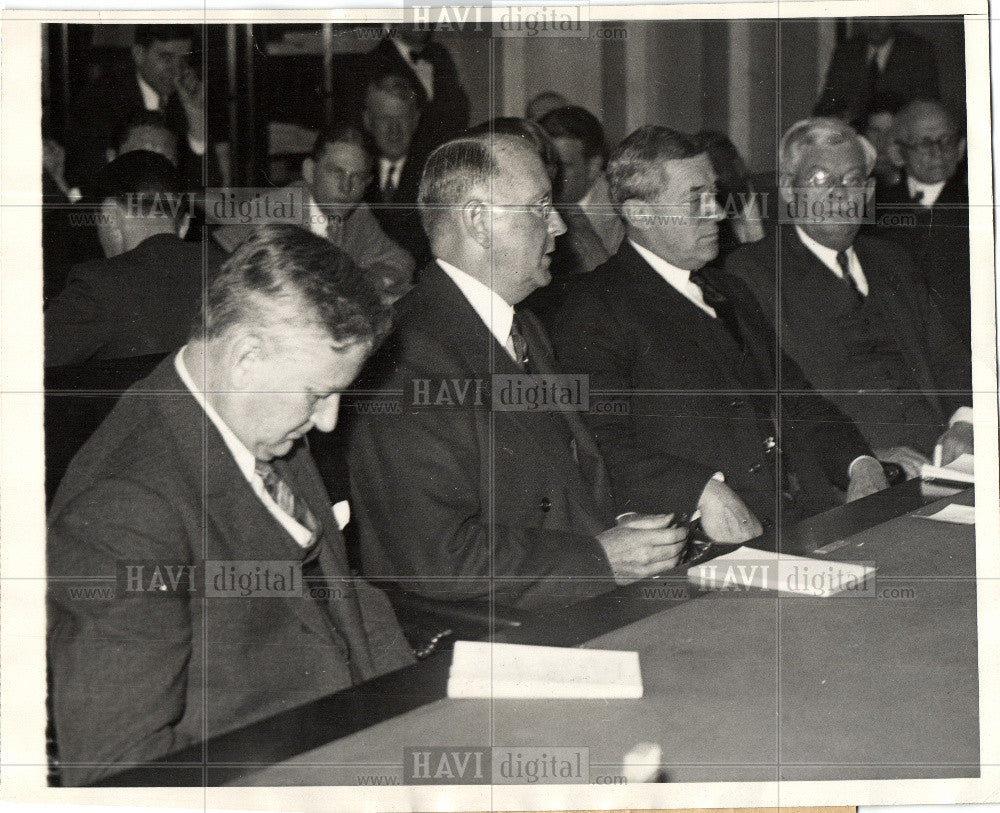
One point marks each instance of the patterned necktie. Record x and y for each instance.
(283, 495)
(521, 353)
(845, 266)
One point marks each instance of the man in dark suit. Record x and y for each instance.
(692, 350)
(411, 52)
(850, 309)
(456, 496)
(927, 211)
(881, 61)
(234, 600)
(391, 116)
(143, 296)
(159, 77)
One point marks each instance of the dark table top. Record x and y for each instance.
(743, 686)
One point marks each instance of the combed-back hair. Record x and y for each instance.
(342, 132)
(529, 132)
(635, 168)
(451, 171)
(392, 84)
(285, 277)
(579, 123)
(819, 131)
(143, 118)
(143, 182)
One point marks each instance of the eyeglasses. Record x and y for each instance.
(945, 143)
(821, 179)
(543, 209)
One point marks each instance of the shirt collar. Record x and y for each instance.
(677, 277)
(403, 48)
(150, 98)
(825, 255)
(496, 313)
(244, 457)
(931, 191)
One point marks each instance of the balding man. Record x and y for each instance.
(853, 314)
(458, 500)
(234, 600)
(927, 212)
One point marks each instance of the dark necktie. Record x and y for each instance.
(917, 197)
(335, 229)
(720, 303)
(520, 344)
(845, 266)
(283, 495)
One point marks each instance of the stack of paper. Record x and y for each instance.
(746, 568)
(959, 470)
(482, 669)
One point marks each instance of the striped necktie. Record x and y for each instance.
(283, 495)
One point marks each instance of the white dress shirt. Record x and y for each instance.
(246, 462)
(930, 191)
(496, 313)
(390, 170)
(151, 101)
(881, 53)
(828, 257)
(677, 278)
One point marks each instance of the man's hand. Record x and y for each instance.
(867, 477)
(191, 92)
(956, 441)
(642, 546)
(909, 459)
(724, 517)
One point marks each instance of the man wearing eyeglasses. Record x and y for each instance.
(689, 355)
(928, 210)
(335, 177)
(470, 491)
(850, 310)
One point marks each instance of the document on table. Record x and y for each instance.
(747, 568)
(959, 514)
(959, 470)
(482, 669)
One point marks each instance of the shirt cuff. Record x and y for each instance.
(197, 147)
(858, 459)
(342, 513)
(962, 415)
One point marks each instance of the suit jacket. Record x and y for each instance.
(144, 673)
(929, 347)
(100, 114)
(398, 213)
(938, 242)
(137, 303)
(458, 501)
(910, 73)
(447, 114)
(690, 389)
(360, 236)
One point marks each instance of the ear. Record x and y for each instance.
(308, 170)
(476, 223)
(961, 148)
(785, 187)
(244, 353)
(636, 214)
(366, 119)
(138, 52)
(109, 228)
(110, 154)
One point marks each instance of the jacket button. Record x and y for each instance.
(545, 504)
(756, 467)
(766, 523)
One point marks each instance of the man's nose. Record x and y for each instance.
(324, 415)
(557, 225)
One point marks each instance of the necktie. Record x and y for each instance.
(720, 303)
(283, 495)
(845, 266)
(335, 229)
(917, 197)
(520, 344)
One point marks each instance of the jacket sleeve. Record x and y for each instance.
(118, 659)
(388, 265)
(589, 339)
(427, 521)
(76, 326)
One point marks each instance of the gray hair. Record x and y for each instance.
(635, 168)
(819, 132)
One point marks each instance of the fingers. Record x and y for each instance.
(646, 521)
